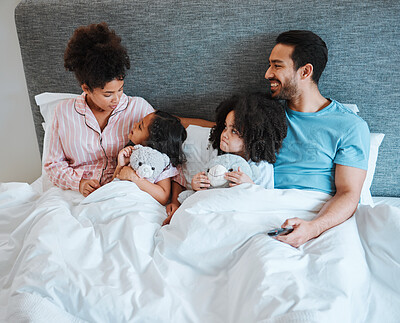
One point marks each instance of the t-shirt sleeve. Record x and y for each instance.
(353, 148)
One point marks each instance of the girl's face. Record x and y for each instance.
(231, 141)
(104, 99)
(140, 131)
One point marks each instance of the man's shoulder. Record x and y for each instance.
(347, 112)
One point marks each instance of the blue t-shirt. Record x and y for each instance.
(315, 142)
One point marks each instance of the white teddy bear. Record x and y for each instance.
(219, 165)
(147, 162)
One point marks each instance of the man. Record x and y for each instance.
(327, 145)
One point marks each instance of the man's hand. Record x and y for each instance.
(303, 231)
(87, 186)
(170, 209)
(124, 155)
(200, 182)
(348, 182)
(237, 178)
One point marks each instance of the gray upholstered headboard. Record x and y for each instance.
(188, 55)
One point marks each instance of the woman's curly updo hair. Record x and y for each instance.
(260, 121)
(95, 54)
(167, 134)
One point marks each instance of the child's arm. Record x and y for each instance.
(200, 182)
(174, 205)
(160, 190)
(123, 159)
(237, 178)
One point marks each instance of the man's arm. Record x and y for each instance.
(186, 122)
(339, 208)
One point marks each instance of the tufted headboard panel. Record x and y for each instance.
(189, 55)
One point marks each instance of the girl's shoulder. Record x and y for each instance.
(169, 171)
(262, 165)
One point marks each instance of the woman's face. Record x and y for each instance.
(140, 131)
(231, 141)
(104, 99)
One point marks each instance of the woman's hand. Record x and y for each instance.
(170, 209)
(237, 178)
(200, 182)
(124, 155)
(87, 186)
(127, 174)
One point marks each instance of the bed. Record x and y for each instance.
(106, 258)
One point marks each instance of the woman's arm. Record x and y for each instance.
(56, 164)
(160, 190)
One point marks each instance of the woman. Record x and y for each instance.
(89, 131)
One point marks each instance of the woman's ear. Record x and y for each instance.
(85, 88)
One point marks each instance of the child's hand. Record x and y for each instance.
(170, 208)
(237, 178)
(87, 186)
(128, 174)
(200, 182)
(124, 155)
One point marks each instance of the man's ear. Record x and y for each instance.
(85, 88)
(306, 71)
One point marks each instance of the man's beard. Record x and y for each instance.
(288, 91)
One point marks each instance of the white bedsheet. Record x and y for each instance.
(106, 258)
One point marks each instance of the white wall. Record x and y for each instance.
(19, 151)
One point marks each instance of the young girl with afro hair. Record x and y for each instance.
(252, 126)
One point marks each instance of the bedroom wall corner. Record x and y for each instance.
(20, 157)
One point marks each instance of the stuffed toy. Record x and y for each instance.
(219, 165)
(147, 162)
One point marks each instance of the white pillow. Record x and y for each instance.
(352, 107)
(375, 142)
(47, 103)
(198, 152)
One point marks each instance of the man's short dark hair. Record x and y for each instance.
(309, 48)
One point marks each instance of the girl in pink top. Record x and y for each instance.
(165, 133)
(89, 131)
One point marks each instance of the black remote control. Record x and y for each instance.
(279, 231)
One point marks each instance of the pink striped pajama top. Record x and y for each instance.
(79, 149)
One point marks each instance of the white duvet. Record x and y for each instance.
(106, 258)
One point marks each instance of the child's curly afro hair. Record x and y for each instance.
(260, 121)
(95, 54)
